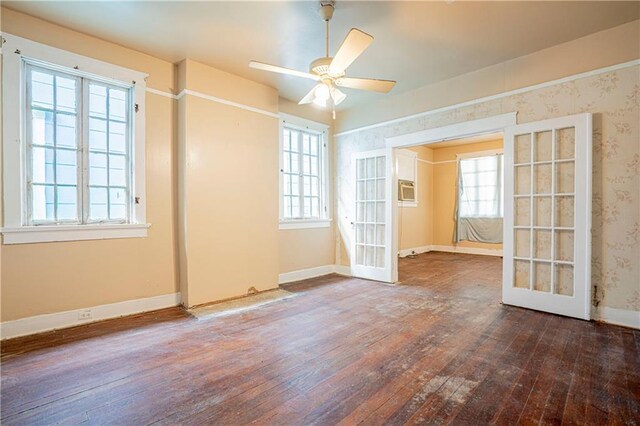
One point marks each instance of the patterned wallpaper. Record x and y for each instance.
(614, 99)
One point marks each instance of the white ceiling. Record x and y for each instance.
(416, 43)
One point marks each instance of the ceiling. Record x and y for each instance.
(416, 43)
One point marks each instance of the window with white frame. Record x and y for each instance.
(480, 186)
(303, 187)
(78, 144)
(76, 168)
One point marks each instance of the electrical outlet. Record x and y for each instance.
(85, 315)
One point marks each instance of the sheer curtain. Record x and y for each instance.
(479, 208)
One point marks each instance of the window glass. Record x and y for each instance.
(480, 186)
(60, 189)
(302, 178)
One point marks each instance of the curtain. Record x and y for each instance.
(479, 207)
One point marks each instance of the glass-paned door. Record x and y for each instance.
(371, 249)
(547, 224)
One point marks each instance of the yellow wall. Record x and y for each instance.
(53, 277)
(415, 224)
(444, 193)
(230, 184)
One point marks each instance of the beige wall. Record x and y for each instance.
(609, 47)
(415, 224)
(230, 184)
(53, 277)
(444, 192)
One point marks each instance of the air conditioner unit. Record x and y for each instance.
(406, 190)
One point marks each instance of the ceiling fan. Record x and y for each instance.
(329, 72)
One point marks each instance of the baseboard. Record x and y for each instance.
(414, 250)
(305, 274)
(48, 322)
(615, 316)
(467, 250)
(342, 270)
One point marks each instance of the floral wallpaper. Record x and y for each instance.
(614, 100)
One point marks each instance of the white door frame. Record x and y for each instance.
(494, 124)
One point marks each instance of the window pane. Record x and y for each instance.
(66, 130)
(41, 127)
(97, 101)
(315, 186)
(66, 167)
(306, 144)
(98, 203)
(117, 104)
(306, 164)
(117, 170)
(295, 137)
(295, 167)
(117, 137)
(117, 204)
(97, 169)
(295, 207)
(314, 145)
(97, 134)
(41, 90)
(286, 142)
(65, 94)
(42, 165)
(42, 203)
(286, 162)
(67, 202)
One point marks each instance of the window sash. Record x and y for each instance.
(298, 171)
(82, 149)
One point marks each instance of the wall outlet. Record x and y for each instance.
(85, 315)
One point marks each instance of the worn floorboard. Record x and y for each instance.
(439, 348)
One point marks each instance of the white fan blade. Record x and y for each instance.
(353, 45)
(274, 68)
(382, 86)
(309, 97)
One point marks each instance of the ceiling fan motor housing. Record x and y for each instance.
(320, 67)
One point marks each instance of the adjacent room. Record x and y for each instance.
(320, 212)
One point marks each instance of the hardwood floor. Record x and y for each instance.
(439, 348)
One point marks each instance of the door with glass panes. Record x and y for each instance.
(371, 255)
(547, 224)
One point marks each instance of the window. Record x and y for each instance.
(77, 171)
(480, 186)
(78, 146)
(303, 175)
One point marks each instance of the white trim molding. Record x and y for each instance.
(493, 97)
(54, 233)
(318, 271)
(496, 123)
(226, 102)
(624, 317)
(48, 322)
(450, 249)
(15, 190)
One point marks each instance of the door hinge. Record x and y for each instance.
(137, 108)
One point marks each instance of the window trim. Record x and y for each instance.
(325, 205)
(17, 52)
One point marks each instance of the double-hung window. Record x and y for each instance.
(74, 146)
(303, 170)
(480, 204)
(77, 148)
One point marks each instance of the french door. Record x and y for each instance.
(547, 224)
(371, 248)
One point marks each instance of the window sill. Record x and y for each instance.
(53, 233)
(305, 223)
(407, 204)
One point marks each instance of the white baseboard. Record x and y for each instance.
(623, 317)
(414, 250)
(343, 270)
(467, 250)
(449, 249)
(48, 322)
(305, 274)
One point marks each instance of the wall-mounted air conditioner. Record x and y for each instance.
(406, 190)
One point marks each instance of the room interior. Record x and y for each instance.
(200, 212)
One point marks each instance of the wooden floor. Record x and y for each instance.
(439, 348)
